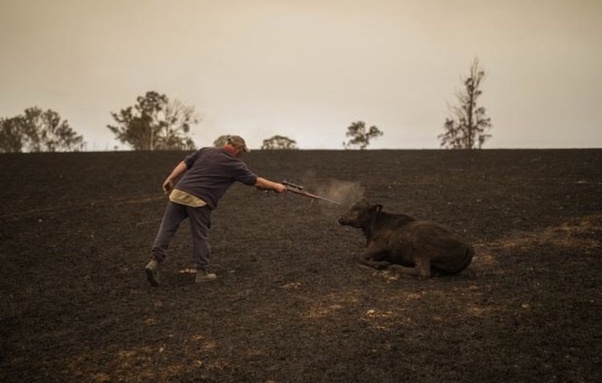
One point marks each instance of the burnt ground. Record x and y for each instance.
(291, 303)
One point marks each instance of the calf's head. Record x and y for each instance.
(360, 213)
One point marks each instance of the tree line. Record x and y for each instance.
(37, 130)
(156, 122)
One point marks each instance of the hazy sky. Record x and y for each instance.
(307, 69)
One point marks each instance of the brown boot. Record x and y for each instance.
(203, 275)
(151, 272)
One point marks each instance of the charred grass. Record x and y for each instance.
(291, 303)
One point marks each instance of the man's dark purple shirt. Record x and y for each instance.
(211, 172)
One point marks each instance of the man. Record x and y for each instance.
(206, 175)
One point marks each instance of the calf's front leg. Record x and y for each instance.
(422, 268)
(375, 257)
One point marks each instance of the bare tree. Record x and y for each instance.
(360, 137)
(467, 127)
(279, 142)
(178, 118)
(155, 123)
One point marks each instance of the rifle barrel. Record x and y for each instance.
(310, 195)
(328, 200)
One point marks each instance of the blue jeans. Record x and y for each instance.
(200, 223)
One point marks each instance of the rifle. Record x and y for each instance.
(298, 189)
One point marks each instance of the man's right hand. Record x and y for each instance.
(279, 188)
(263, 184)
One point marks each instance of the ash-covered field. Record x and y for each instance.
(292, 303)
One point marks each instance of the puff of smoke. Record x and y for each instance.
(344, 192)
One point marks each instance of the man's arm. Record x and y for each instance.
(263, 184)
(168, 184)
